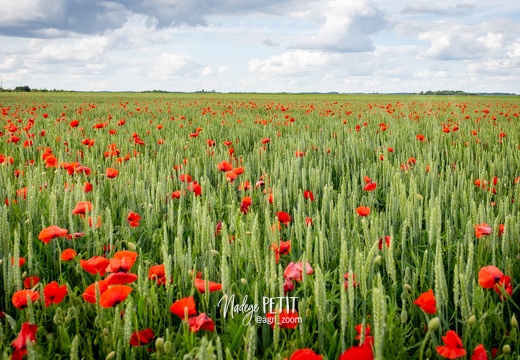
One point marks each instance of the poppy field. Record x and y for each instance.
(255, 226)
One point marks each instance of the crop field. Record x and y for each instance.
(255, 226)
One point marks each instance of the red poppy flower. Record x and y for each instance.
(266, 141)
(196, 188)
(114, 295)
(363, 211)
(501, 229)
(224, 166)
(184, 304)
(122, 261)
(361, 352)
(54, 293)
(371, 186)
(93, 224)
(479, 353)
(346, 276)
(157, 273)
(75, 236)
(185, 178)
(30, 281)
(20, 297)
(230, 176)
(359, 329)
(308, 221)
(246, 202)
(68, 254)
(112, 173)
(90, 292)
(20, 262)
(142, 337)
(452, 348)
(294, 271)
(87, 187)
(82, 207)
(82, 169)
(239, 170)
(210, 142)
(176, 194)
(482, 229)
(95, 265)
(489, 276)
(387, 242)
(27, 334)
(426, 301)
(133, 219)
(218, 228)
(201, 322)
(283, 217)
(51, 232)
(305, 354)
(504, 284)
(200, 284)
(287, 319)
(308, 195)
(246, 185)
(120, 278)
(284, 249)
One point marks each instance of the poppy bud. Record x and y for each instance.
(428, 353)
(159, 343)
(404, 316)
(506, 349)
(472, 319)
(56, 318)
(244, 282)
(111, 355)
(215, 253)
(433, 325)
(167, 347)
(106, 332)
(377, 260)
(407, 287)
(308, 313)
(131, 246)
(514, 322)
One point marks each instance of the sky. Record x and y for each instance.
(346, 46)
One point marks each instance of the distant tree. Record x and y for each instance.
(22, 88)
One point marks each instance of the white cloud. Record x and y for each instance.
(348, 27)
(433, 8)
(207, 71)
(223, 70)
(293, 63)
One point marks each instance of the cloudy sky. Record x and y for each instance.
(261, 45)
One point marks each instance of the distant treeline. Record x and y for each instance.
(462, 93)
(26, 88)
